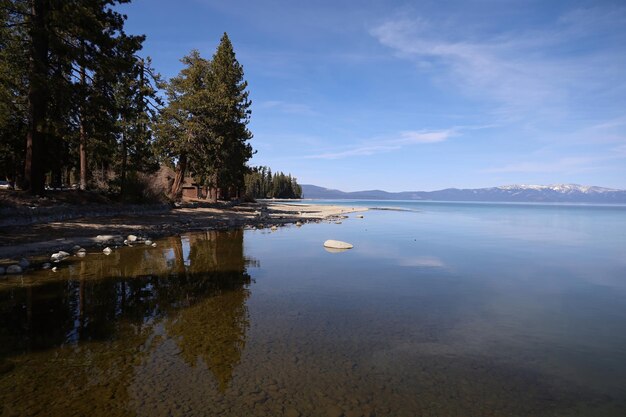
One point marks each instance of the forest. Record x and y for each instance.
(80, 107)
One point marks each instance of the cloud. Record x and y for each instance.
(579, 57)
(403, 139)
(287, 107)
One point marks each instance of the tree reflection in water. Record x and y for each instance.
(75, 338)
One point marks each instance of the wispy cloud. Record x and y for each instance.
(287, 107)
(521, 71)
(402, 139)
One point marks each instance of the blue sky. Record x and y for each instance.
(402, 95)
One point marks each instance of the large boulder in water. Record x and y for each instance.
(337, 244)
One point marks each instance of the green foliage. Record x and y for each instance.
(72, 60)
(75, 97)
(205, 122)
(260, 183)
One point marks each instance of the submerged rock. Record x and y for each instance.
(154, 245)
(148, 242)
(14, 269)
(24, 263)
(47, 265)
(107, 251)
(337, 244)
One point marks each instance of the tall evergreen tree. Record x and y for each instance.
(183, 122)
(75, 50)
(224, 166)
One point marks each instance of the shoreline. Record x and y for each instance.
(37, 242)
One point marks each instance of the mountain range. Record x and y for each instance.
(556, 193)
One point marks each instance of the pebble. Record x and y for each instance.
(298, 224)
(54, 269)
(107, 251)
(154, 245)
(148, 242)
(131, 238)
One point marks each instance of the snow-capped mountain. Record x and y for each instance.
(561, 188)
(555, 193)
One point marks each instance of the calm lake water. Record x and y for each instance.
(445, 309)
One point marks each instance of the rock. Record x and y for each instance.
(298, 224)
(81, 253)
(337, 222)
(14, 269)
(337, 244)
(54, 269)
(107, 251)
(59, 256)
(359, 216)
(273, 228)
(76, 248)
(24, 263)
(47, 265)
(154, 245)
(109, 238)
(148, 242)
(131, 238)
(2, 271)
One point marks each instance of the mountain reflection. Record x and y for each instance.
(97, 318)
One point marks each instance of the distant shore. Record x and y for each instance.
(42, 239)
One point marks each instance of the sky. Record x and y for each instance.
(417, 95)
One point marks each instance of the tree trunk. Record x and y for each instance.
(177, 188)
(82, 147)
(124, 158)
(37, 99)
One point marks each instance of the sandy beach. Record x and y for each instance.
(45, 238)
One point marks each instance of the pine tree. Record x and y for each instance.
(183, 126)
(225, 163)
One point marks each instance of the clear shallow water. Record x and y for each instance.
(446, 310)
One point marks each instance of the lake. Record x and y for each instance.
(441, 309)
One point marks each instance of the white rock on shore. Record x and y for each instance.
(337, 244)
(59, 256)
(107, 251)
(131, 238)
